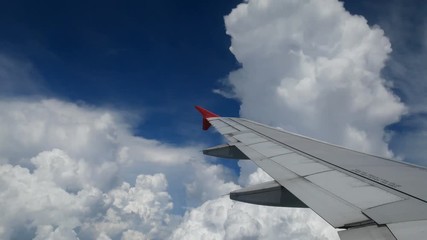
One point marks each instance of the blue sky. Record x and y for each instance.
(121, 79)
(160, 56)
(163, 56)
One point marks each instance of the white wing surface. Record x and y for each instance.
(369, 197)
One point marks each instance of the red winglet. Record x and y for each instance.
(206, 114)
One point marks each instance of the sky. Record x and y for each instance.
(99, 138)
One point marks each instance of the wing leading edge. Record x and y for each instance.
(368, 196)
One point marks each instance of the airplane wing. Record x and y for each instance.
(367, 196)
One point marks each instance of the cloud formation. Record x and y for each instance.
(48, 209)
(312, 67)
(77, 171)
(225, 219)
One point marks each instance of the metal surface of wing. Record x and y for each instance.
(368, 196)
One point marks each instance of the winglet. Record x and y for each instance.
(206, 114)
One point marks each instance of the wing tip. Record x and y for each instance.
(206, 114)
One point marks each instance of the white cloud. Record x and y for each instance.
(77, 171)
(226, 219)
(142, 210)
(56, 166)
(42, 201)
(316, 67)
(32, 202)
(204, 188)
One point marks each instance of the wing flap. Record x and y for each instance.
(334, 210)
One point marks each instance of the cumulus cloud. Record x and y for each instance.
(77, 171)
(142, 210)
(204, 188)
(45, 207)
(316, 68)
(34, 204)
(225, 219)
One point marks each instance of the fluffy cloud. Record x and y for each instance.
(31, 203)
(51, 204)
(75, 171)
(316, 63)
(46, 208)
(142, 210)
(204, 188)
(225, 219)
